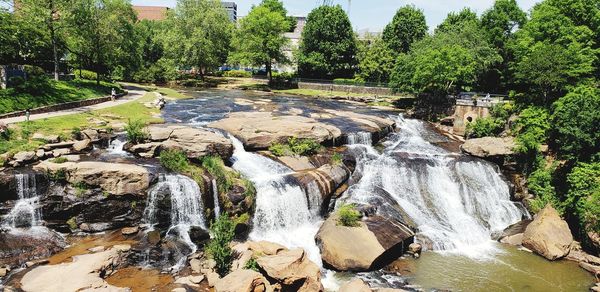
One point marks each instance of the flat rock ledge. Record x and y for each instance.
(375, 243)
(194, 142)
(489, 147)
(114, 178)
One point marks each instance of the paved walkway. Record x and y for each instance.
(134, 94)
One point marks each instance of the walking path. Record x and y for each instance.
(134, 94)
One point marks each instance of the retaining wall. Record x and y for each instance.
(346, 88)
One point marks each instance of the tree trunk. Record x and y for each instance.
(54, 43)
(269, 72)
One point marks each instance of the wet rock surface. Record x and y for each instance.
(548, 235)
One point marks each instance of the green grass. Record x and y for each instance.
(52, 92)
(348, 216)
(169, 92)
(295, 146)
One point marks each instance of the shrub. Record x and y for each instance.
(539, 184)
(336, 159)
(174, 160)
(238, 73)
(295, 146)
(583, 197)
(249, 189)
(251, 265)
(135, 131)
(355, 81)
(531, 130)
(349, 216)
(284, 81)
(222, 233)
(76, 133)
(87, 74)
(279, 150)
(484, 127)
(215, 166)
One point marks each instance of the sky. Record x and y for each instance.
(373, 15)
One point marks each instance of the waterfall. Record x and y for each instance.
(115, 148)
(25, 212)
(215, 191)
(455, 201)
(186, 208)
(364, 138)
(283, 214)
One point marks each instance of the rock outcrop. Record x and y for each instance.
(85, 272)
(376, 242)
(194, 142)
(17, 248)
(292, 269)
(243, 281)
(489, 147)
(548, 235)
(355, 285)
(114, 178)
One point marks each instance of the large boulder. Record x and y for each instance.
(489, 147)
(355, 285)
(114, 178)
(17, 248)
(292, 269)
(243, 281)
(548, 235)
(322, 183)
(376, 242)
(83, 273)
(259, 130)
(194, 142)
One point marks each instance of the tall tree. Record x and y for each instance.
(501, 22)
(277, 6)
(199, 34)
(328, 47)
(375, 60)
(407, 27)
(455, 20)
(260, 39)
(102, 35)
(50, 17)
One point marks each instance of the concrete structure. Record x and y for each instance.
(471, 106)
(231, 8)
(294, 38)
(151, 12)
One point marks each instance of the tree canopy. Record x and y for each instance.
(407, 27)
(328, 47)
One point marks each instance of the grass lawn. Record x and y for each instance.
(64, 125)
(51, 92)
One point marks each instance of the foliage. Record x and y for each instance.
(174, 160)
(238, 73)
(337, 159)
(328, 46)
(251, 264)
(283, 81)
(59, 160)
(407, 27)
(295, 146)
(198, 34)
(249, 188)
(539, 183)
(531, 130)
(222, 233)
(484, 127)
(576, 124)
(584, 195)
(455, 20)
(375, 61)
(135, 131)
(224, 177)
(259, 39)
(348, 216)
(345, 81)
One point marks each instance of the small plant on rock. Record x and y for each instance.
(348, 216)
(59, 160)
(251, 265)
(174, 160)
(135, 131)
(222, 233)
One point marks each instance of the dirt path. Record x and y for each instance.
(134, 94)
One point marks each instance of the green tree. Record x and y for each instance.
(500, 23)
(277, 6)
(532, 129)
(407, 27)
(222, 233)
(328, 48)
(456, 20)
(260, 39)
(576, 124)
(101, 36)
(198, 34)
(375, 61)
(583, 197)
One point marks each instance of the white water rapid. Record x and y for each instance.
(283, 213)
(455, 202)
(25, 212)
(364, 138)
(215, 191)
(186, 208)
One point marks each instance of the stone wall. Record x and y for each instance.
(61, 106)
(464, 114)
(346, 88)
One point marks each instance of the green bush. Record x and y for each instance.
(222, 233)
(283, 81)
(238, 73)
(531, 130)
(251, 265)
(174, 160)
(215, 166)
(355, 81)
(539, 183)
(583, 197)
(86, 74)
(348, 216)
(337, 159)
(484, 127)
(135, 131)
(295, 146)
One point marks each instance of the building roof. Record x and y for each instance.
(151, 12)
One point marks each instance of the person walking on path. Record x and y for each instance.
(113, 94)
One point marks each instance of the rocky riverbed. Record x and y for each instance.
(98, 213)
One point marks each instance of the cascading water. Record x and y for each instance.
(283, 213)
(455, 202)
(25, 212)
(363, 138)
(186, 208)
(215, 191)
